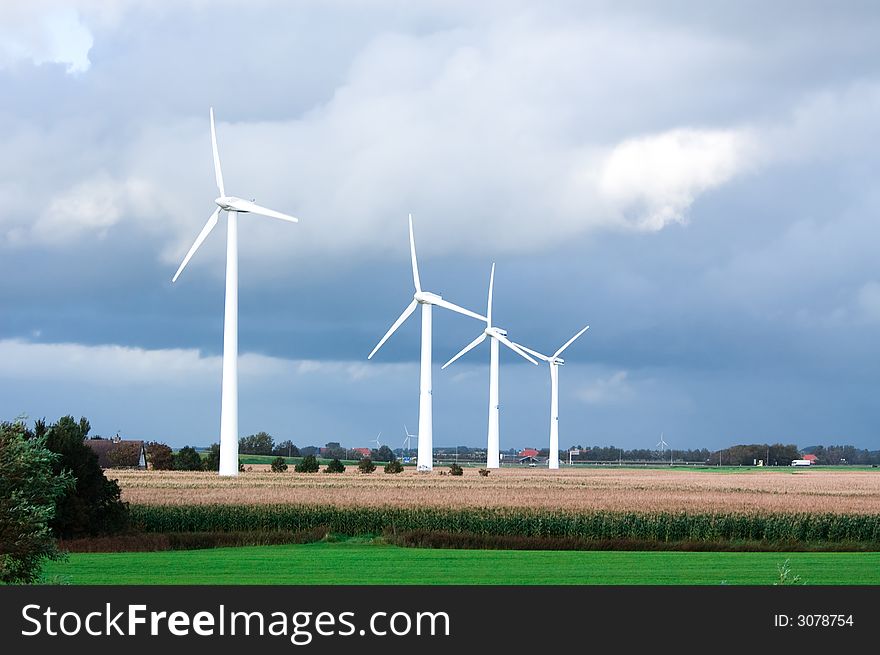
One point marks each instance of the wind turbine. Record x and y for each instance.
(661, 444)
(377, 442)
(555, 361)
(496, 335)
(406, 440)
(427, 300)
(229, 394)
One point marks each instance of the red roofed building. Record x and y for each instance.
(811, 458)
(365, 452)
(528, 452)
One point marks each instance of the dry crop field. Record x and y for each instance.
(648, 490)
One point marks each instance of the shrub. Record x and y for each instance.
(366, 465)
(484, 473)
(279, 465)
(335, 466)
(455, 469)
(308, 465)
(394, 467)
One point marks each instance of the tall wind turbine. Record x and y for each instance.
(661, 444)
(555, 361)
(229, 394)
(496, 335)
(426, 300)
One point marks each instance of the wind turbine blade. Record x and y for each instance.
(455, 308)
(217, 172)
(507, 342)
(212, 221)
(400, 319)
(473, 344)
(252, 207)
(570, 341)
(489, 305)
(534, 353)
(412, 251)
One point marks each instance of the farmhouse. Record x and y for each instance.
(365, 452)
(119, 453)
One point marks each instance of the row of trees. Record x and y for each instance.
(51, 486)
(844, 455)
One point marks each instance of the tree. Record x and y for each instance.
(286, 449)
(366, 465)
(212, 459)
(394, 467)
(260, 443)
(308, 464)
(188, 459)
(29, 490)
(279, 465)
(335, 466)
(383, 454)
(160, 456)
(93, 506)
(455, 469)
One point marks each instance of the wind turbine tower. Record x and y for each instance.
(427, 300)
(496, 335)
(554, 361)
(233, 206)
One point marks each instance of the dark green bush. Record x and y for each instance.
(455, 469)
(308, 465)
(366, 465)
(188, 459)
(279, 465)
(394, 467)
(335, 466)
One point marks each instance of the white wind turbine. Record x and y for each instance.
(555, 361)
(496, 336)
(229, 393)
(377, 442)
(661, 444)
(426, 300)
(406, 440)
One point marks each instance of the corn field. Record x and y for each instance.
(657, 526)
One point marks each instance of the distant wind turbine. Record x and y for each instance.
(555, 361)
(406, 440)
(496, 335)
(661, 444)
(427, 300)
(229, 393)
(377, 442)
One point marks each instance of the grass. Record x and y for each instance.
(358, 563)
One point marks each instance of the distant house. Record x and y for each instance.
(365, 452)
(527, 452)
(119, 453)
(811, 458)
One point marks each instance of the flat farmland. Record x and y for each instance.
(582, 489)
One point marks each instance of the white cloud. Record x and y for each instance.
(89, 208)
(114, 365)
(653, 180)
(612, 390)
(42, 32)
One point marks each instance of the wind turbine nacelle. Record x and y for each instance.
(426, 297)
(559, 361)
(494, 330)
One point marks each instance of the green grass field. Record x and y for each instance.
(362, 563)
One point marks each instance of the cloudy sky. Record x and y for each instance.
(695, 181)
